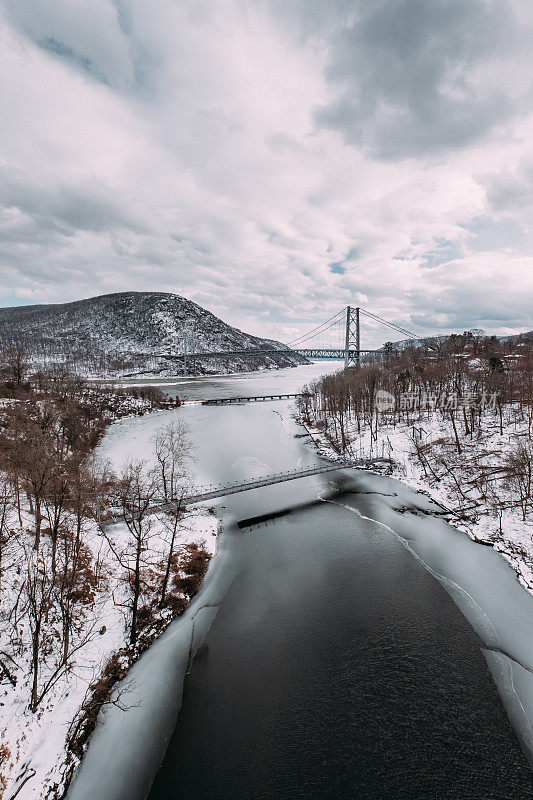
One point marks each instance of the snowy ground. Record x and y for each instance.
(33, 745)
(453, 486)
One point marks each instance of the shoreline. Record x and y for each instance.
(132, 658)
(153, 688)
(500, 613)
(514, 554)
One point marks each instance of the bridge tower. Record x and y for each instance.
(352, 342)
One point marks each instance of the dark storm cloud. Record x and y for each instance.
(410, 74)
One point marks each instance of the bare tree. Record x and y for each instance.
(7, 533)
(55, 499)
(74, 586)
(520, 474)
(136, 492)
(38, 588)
(46, 665)
(29, 457)
(16, 365)
(173, 453)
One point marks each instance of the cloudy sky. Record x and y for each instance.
(273, 160)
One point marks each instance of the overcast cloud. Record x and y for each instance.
(272, 160)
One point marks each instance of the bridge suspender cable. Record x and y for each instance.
(390, 324)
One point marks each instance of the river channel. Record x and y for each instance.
(332, 659)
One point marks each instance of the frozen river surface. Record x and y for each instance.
(342, 647)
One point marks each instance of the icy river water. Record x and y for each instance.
(345, 645)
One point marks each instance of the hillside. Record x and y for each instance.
(458, 342)
(131, 333)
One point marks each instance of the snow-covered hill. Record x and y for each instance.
(456, 341)
(132, 333)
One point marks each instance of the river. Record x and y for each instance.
(342, 647)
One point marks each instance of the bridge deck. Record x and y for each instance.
(217, 401)
(317, 352)
(269, 480)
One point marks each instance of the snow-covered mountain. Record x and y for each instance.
(132, 333)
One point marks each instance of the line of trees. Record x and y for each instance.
(476, 386)
(49, 426)
(51, 580)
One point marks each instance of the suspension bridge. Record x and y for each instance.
(338, 338)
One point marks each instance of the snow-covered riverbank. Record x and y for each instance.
(36, 761)
(424, 457)
(129, 743)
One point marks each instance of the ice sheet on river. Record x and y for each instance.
(480, 581)
(126, 751)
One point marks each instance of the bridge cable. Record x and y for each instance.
(305, 338)
(394, 327)
(309, 333)
(316, 330)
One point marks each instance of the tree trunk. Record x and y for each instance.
(35, 668)
(136, 592)
(37, 523)
(169, 558)
(455, 432)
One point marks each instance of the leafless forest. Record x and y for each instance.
(466, 407)
(60, 564)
